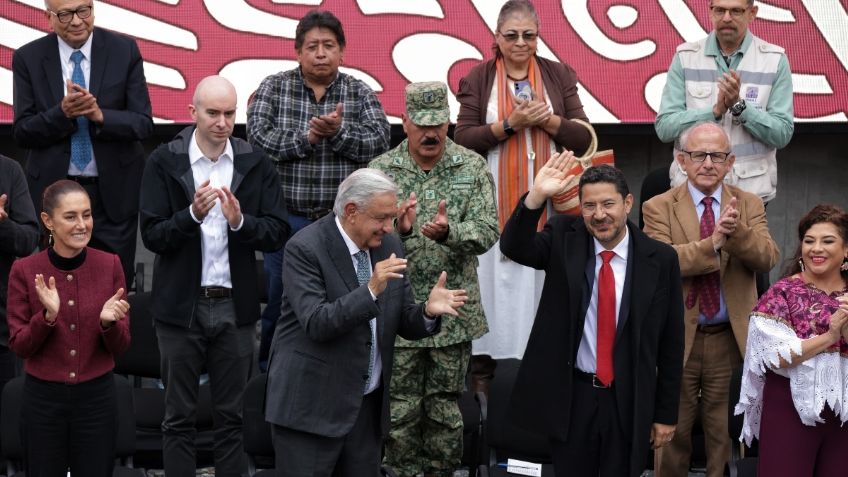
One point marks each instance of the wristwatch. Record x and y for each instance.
(738, 107)
(507, 128)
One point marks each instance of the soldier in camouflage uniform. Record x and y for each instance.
(449, 219)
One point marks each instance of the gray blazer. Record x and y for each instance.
(319, 354)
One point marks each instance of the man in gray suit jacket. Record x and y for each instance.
(344, 288)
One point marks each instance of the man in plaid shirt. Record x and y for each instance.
(318, 125)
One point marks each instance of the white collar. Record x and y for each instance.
(352, 248)
(65, 50)
(622, 249)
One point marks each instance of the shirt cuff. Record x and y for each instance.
(241, 222)
(191, 212)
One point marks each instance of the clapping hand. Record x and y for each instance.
(528, 113)
(115, 309)
(443, 301)
(437, 228)
(48, 296)
(839, 320)
(204, 200)
(726, 224)
(553, 178)
(327, 125)
(843, 310)
(407, 214)
(230, 206)
(385, 270)
(3, 214)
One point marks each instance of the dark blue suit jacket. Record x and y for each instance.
(117, 81)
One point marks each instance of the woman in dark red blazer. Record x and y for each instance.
(68, 317)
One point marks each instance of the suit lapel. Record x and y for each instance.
(624, 306)
(643, 274)
(578, 252)
(687, 216)
(52, 65)
(338, 252)
(726, 195)
(99, 58)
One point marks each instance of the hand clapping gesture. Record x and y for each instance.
(437, 228)
(115, 309)
(48, 296)
(407, 214)
(443, 301)
(553, 178)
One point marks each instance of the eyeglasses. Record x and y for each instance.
(589, 209)
(66, 16)
(512, 36)
(701, 156)
(719, 12)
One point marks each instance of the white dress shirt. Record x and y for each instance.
(65, 51)
(353, 249)
(213, 228)
(587, 352)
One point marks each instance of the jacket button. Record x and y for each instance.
(70, 277)
(73, 327)
(73, 352)
(72, 375)
(70, 302)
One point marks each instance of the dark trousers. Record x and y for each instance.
(301, 454)
(69, 427)
(225, 350)
(273, 265)
(595, 444)
(788, 448)
(113, 237)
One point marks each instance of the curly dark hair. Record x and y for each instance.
(822, 213)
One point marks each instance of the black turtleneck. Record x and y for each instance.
(63, 263)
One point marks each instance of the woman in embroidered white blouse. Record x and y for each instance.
(795, 377)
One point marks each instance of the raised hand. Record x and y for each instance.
(204, 200)
(437, 228)
(407, 214)
(48, 296)
(728, 86)
(553, 178)
(115, 309)
(843, 309)
(384, 271)
(839, 320)
(443, 301)
(230, 206)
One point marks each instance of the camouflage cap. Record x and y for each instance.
(427, 103)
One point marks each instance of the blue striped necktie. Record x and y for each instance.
(363, 274)
(80, 140)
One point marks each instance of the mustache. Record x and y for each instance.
(430, 141)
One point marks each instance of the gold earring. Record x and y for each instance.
(844, 266)
(801, 263)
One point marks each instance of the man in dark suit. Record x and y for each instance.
(344, 290)
(81, 110)
(610, 322)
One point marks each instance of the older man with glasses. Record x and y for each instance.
(722, 240)
(738, 81)
(81, 110)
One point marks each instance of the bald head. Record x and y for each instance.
(213, 86)
(213, 109)
(701, 129)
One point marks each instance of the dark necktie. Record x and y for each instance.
(606, 319)
(706, 287)
(363, 274)
(80, 140)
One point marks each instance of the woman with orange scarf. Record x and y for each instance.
(516, 111)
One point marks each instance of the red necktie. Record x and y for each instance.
(707, 287)
(606, 319)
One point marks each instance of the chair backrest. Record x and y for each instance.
(256, 432)
(505, 439)
(142, 358)
(125, 438)
(10, 420)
